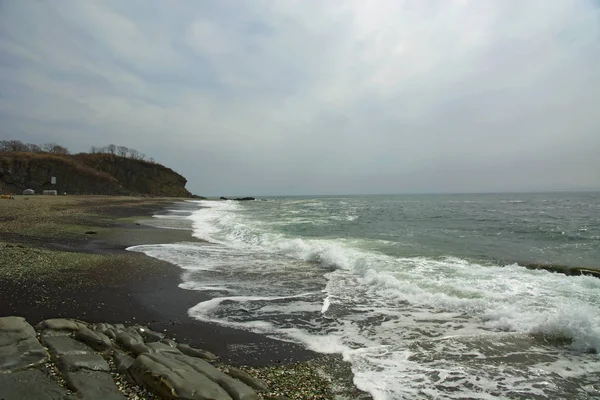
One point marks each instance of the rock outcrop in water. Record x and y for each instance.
(70, 359)
(238, 198)
(563, 269)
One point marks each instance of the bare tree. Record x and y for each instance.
(57, 149)
(13, 145)
(134, 154)
(47, 147)
(54, 148)
(17, 145)
(33, 148)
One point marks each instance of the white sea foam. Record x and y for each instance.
(515, 300)
(205, 311)
(187, 255)
(330, 343)
(326, 304)
(192, 285)
(386, 314)
(161, 216)
(290, 308)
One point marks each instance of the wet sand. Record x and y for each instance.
(116, 286)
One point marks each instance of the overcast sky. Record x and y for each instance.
(315, 97)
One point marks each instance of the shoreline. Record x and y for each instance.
(76, 266)
(144, 290)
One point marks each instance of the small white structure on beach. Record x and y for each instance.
(50, 192)
(28, 192)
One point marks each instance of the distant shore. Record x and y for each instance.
(66, 257)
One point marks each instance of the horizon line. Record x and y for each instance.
(413, 193)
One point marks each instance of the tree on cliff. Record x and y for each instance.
(54, 148)
(133, 153)
(33, 148)
(18, 146)
(122, 151)
(13, 145)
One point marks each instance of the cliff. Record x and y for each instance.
(88, 174)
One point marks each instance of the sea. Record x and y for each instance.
(426, 296)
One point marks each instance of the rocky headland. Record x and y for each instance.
(88, 173)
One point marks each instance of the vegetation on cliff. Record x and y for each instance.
(107, 170)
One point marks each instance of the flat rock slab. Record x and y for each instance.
(236, 389)
(135, 333)
(128, 341)
(248, 379)
(13, 329)
(106, 329)
(19, 348)
(138, 348)
(189, 375)
(168, 369)
(89, 361)
(93, 385)
(123, 361)
(30, 384)
(50, 332)
(60, 324)
(21, 355)
(193, 352)
(149, 335)
(181, 382)
(96, 340)
(170, 342)
(62, 345)
(157, 347)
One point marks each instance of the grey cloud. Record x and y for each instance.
(261, 97)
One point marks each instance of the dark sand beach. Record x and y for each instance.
(66, 257)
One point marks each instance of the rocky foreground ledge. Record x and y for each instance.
(72, 359)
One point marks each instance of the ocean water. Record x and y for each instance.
(425, 296)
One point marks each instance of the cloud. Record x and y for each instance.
(315, 97)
